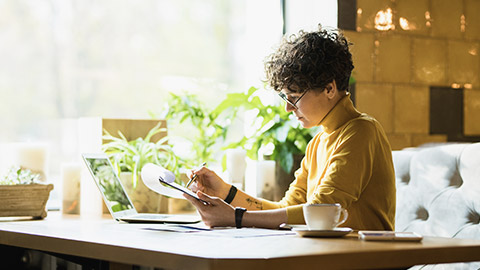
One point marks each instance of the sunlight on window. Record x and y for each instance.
(307, 14)
(67, 59)
(106, 58)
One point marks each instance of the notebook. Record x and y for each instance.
(117, 200)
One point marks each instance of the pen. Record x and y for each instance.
(194, 176)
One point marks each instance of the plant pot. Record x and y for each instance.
(144, 199)
(24, 200)
(284, 179)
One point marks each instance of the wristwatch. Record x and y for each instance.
(239, 211)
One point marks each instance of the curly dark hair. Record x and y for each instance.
(310, 60)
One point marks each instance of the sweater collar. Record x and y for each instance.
(341, 113)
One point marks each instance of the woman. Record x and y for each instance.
(348, 162)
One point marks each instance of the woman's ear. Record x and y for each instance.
(331, 89)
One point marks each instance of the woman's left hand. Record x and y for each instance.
(216, 213)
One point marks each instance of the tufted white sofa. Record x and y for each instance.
(438, 193)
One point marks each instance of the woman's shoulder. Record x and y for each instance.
(364, 123)
(362, 120)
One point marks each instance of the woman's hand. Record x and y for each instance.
(214, 213)
(209, 182)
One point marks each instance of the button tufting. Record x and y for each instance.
(405, 179)
(422, 213)
(456, 180)
(473, 218)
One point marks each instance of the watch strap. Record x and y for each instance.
(239, 211)
(231, 194)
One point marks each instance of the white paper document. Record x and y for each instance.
(150, 174)
(244, 232)
(202, 230)
(181, 228)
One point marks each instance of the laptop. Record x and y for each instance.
(117, 200)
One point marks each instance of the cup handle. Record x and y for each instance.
(345, 216)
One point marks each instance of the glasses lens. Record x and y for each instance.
(284, 97)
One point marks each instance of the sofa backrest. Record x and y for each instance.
(438, 190)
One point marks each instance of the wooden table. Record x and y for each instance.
(107, 240)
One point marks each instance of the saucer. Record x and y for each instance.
(337, 232)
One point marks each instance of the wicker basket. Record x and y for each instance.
(24, 200)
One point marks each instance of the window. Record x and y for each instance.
(64, 59)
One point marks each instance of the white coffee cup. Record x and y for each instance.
(324, 216)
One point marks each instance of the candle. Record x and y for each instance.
(91, 202)
(236, 165)
(265, 178)
(32, 156)
(71, 176)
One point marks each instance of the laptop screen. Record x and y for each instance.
(109, 184)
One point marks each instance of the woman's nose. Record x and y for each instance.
(289, 107)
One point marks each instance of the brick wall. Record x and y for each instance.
(423, 43)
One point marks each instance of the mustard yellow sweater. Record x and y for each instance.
(348, 162)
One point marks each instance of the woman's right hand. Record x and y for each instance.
(210, 183)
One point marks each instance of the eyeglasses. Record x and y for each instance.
(292, 103)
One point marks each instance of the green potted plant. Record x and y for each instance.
(21, 194)
(201, 130)
(276, 135)
(206, 129)
(129, 157)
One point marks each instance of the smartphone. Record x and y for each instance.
(389, 236)
(182, 189)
